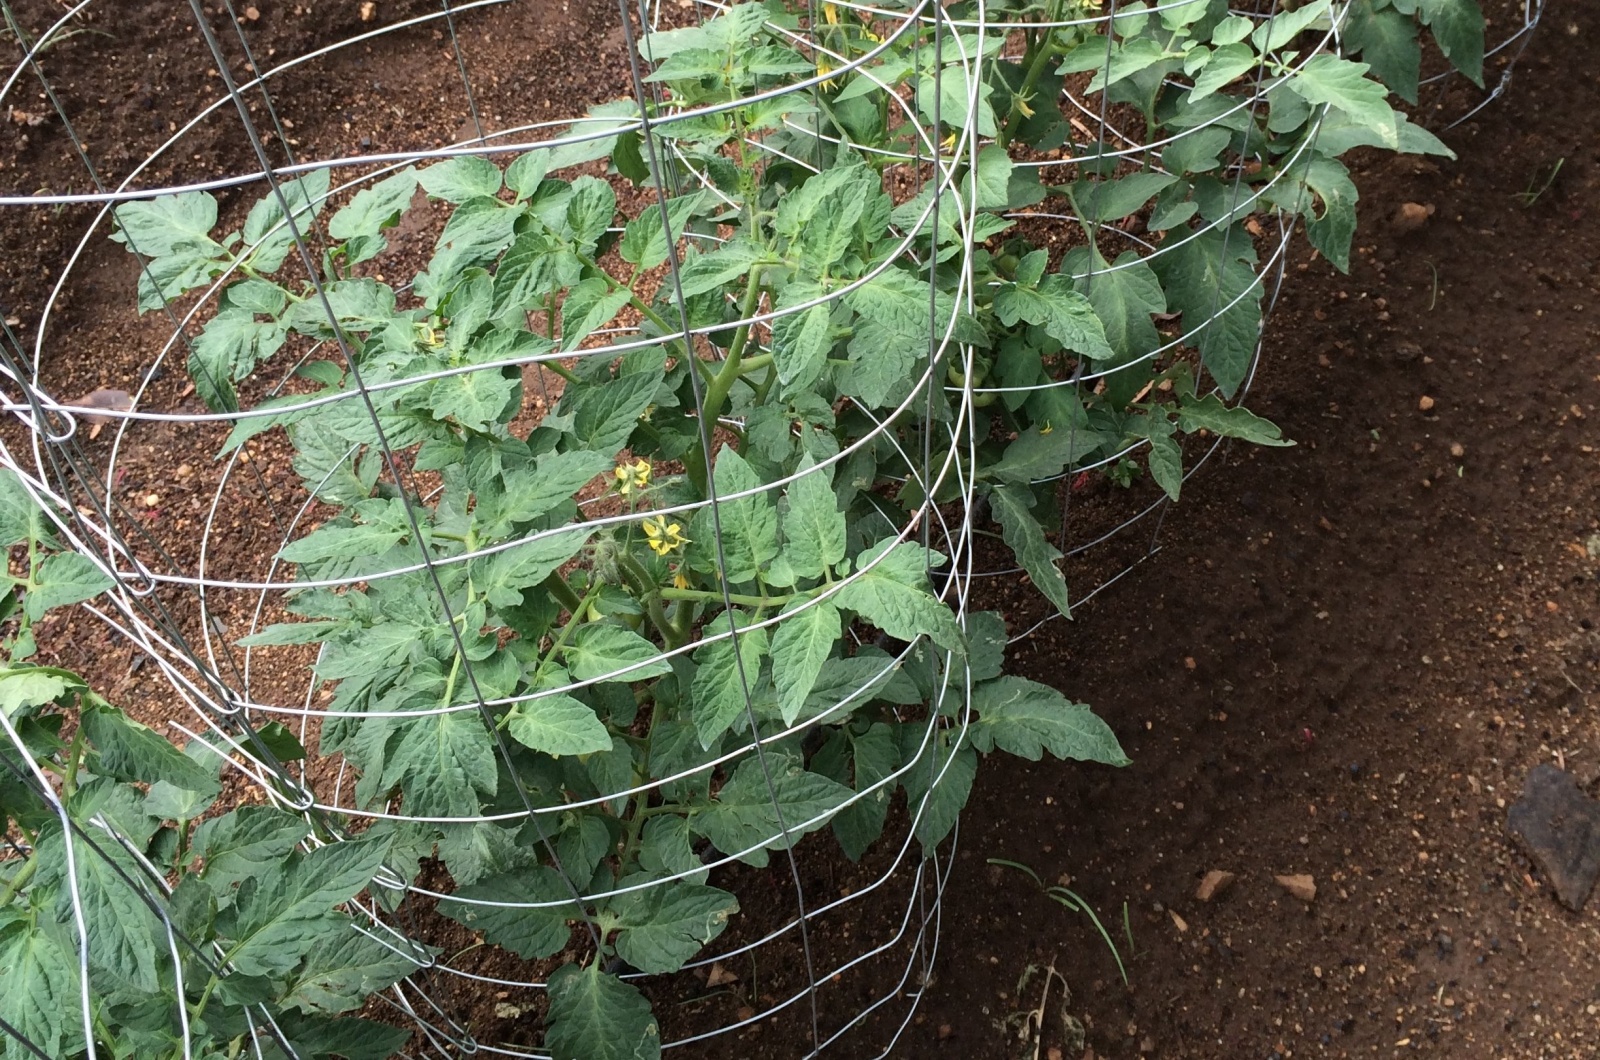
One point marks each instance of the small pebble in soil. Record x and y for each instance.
(1425, 403)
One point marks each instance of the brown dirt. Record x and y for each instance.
(1342, 662)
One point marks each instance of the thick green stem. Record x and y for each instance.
(702, 596)
(567, 630)
(557, 587)
(1044, 50)
(698, 460)
(19, 880)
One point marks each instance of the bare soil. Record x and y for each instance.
(1342, 662)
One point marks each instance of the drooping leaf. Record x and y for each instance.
(1027, 718)
(1387, 41)
(744, 813)
(1210, 279)
(938, 785)
(558, 725)
(1457, 25)
(285, 913)
(663, 926)
(1209, 413)
(596, 1016)
(893, 594)
(803, 642)
(874, 756)
(535, 923)
(341, 972)
(813, 525)
(1012, 506)
(64, 578)
(725, 679)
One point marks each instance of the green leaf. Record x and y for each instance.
(1232, 30)
(318, 1037)
(1066, 316)
(596, 1016)
(1124, 296)
(1458, 28)
(246, 842)
(371, 211)
(384, 525)
(604, 415)
(597, 650)
(286, 913)
(529, 493)
(801, 341)
(645, 242)
(1134, 55)
(1332, 230)
(1284, 26)
(503, 576)
(444, 763)
(342, 972)
(707, 272)
(662, 927)
(875, 757)
(720, 687)
(938, 786)
(590, 210)
(749, 525)
(172, 224)
(743, 814)
(558, 725)
(461, 178)
(590, 305)
(25, 687)
(1328, 79)
(611, 117)
(533, 929)
(526, 172)
(813, 525)
(1209, 279)
(230, 347)
(131, 751)
(1026, 718)
(38, 989)
(1041, 452)
(1387, 40)
(1226, 63)
(806, 637)
(1012, 506)
(20, 517)
(1166, 456)
(1112, 200)
(121, 928)
(64, 578)
(1209, 413)
(893, 594)
(264, 228)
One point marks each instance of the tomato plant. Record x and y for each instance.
(706, 599)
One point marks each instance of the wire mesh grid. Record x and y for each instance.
(190, 587)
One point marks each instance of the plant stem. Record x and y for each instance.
(557, 587)
(19, 880)
(69, 783)
(567, 630)
(698, 460)
(702, 596)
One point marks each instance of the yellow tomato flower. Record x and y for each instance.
(630, 477)
(679, 579)
(663, 537)
(830, 14)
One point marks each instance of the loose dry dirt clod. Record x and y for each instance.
(1560, 826)
(1213, 884)
(1300, 886)
(1425, 403)
(1410, 217)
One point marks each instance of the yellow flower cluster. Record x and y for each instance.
(663, 537)
(630, 477)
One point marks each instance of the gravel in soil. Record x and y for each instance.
(1342, 664)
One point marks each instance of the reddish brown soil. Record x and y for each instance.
(1342, 662)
